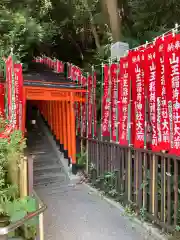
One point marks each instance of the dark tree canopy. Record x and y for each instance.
(80, 30)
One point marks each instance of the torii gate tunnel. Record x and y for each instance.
(55, 97)
(55, 100)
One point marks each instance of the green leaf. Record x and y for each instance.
(17, 215)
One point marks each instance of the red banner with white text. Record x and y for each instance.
(138, 97)
(150, 74)
(172, 74)
(2, 100)
(18, 77)
(106, 103)
(9, 69)
(114, 79)
(94, 104)
(90, 103)
(84, 107)
(123, 96)
(163, 124)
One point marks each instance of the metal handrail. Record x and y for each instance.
(5, 230)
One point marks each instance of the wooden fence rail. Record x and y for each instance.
(148, 181)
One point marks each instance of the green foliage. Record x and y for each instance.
(17, 209)
(81, 158)
(11, 206)
(21, 26)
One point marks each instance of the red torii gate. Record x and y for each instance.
(55, 99)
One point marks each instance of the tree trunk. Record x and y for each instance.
(96, 37)
(114, 19)
(93, 27)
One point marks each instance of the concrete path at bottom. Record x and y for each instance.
(74, 212)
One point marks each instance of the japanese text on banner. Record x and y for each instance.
(90, 105)
(106, 103)
(114, 78)
(137, 77)
(123, 93)
(9, 69)
(150, 80)
(163, 127)
(173, 77)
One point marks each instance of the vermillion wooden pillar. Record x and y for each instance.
(55, 120)
(61, 125)
(52, 117)
(69, 129)
(44, 109)
(58, 121)
(48, 112)
(73, 134)
(66, 153)
(64, 125)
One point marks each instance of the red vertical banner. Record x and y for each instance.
(60, 66)
(106, 103)
(2, 100)
(18, 77)
(163, 124)
(150, 74)
(16, 88)
(94, 104)
(9, 67)
(90, 105)
(69, 70)
(79, 105)
(78, 75)
(114, 77)
(52, 64)
(138, 97)
(172, 73)
(73, 73)
(84, 107)
(123, 100)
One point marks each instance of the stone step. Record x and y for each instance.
(47, 171)
(44, 167)
(38, 148)
(48, 163)
(49, 180)
(44, 154)
(48, 174)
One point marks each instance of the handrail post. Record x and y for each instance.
(30, 175)
(41, 226)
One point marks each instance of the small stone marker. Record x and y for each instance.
(119, 49)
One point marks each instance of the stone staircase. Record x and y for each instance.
(46, 164)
